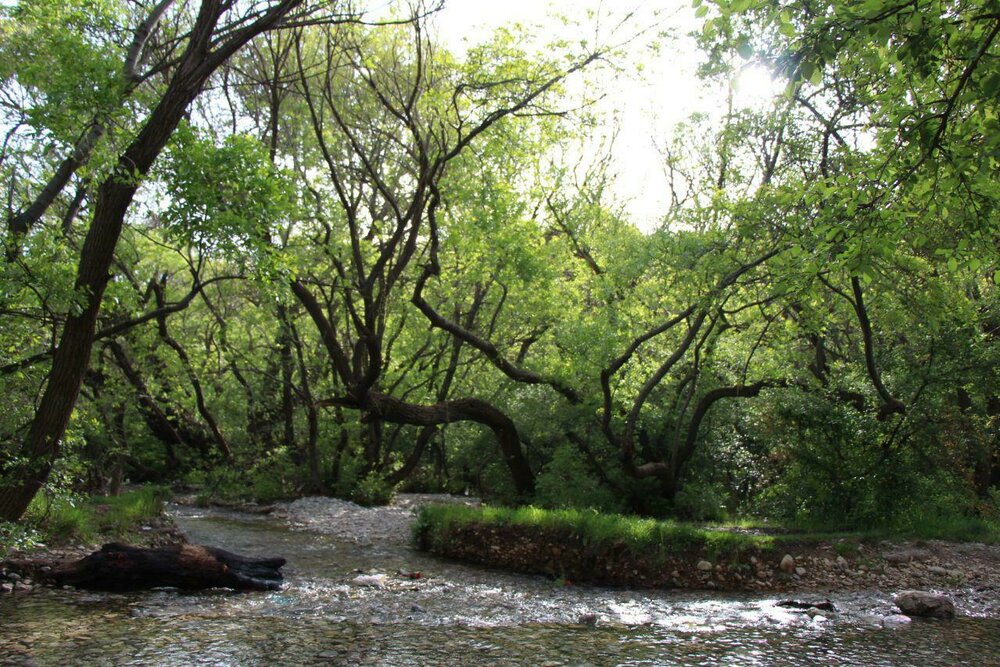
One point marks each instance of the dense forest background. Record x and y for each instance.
(279, 247)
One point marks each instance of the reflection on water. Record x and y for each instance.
(451, 615)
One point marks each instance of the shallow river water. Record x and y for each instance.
(354, 603)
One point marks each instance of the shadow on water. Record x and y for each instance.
(349, 603)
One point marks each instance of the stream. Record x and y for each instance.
(360, 600)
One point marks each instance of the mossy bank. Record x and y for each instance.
(577, 546)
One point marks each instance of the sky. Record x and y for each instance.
(646, 106)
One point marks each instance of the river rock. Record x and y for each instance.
(787, 564)
(901, 556)
(704, 566)
(801, 571)
(370, 580)
(895, 620)
(925, 604)
(841, 562)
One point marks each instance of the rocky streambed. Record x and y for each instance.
(357, 593)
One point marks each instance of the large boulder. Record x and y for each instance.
(925, 604)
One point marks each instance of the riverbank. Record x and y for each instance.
(586, 547)
(63, 532)
(347, 603)
(652, 555)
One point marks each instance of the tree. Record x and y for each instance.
(216, 33)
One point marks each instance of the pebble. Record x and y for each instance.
(372, 580)
(361, 525)
(906, 555)
(704, 566)
(895, 621)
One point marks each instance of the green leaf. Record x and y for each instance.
(806, 70)
(816, 77)
(991, 86)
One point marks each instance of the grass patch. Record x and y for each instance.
(640, 535)
(612, 549)
(62, 520)
(650, 536)
(929, 525)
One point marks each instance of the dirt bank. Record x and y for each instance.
(816, 567)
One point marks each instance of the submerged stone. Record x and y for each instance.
(925, 604)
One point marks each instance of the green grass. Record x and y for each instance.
(651, 536)
(928, 525)
(594, 528)
(62, 520)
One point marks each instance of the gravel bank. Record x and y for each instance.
(345, 520)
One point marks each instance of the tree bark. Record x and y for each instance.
(199, 393)
(117, 567)
(393, 410)
(168, 426)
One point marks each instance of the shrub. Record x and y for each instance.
(17, 537)
(65, 518)
(373, 490)
(700, 502)
(566, 482)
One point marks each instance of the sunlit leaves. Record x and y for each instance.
(65, 55)
(226, 198)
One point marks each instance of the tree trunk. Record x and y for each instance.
(312, 415)
(166, 426)
(114, 196)
(390, 409)
(287, 399)
(424, 438)
(117, 567)
(199, 393)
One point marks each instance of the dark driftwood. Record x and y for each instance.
(118, 567)
(826, 605)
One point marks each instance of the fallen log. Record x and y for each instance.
(118, 567)
(826, 605)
